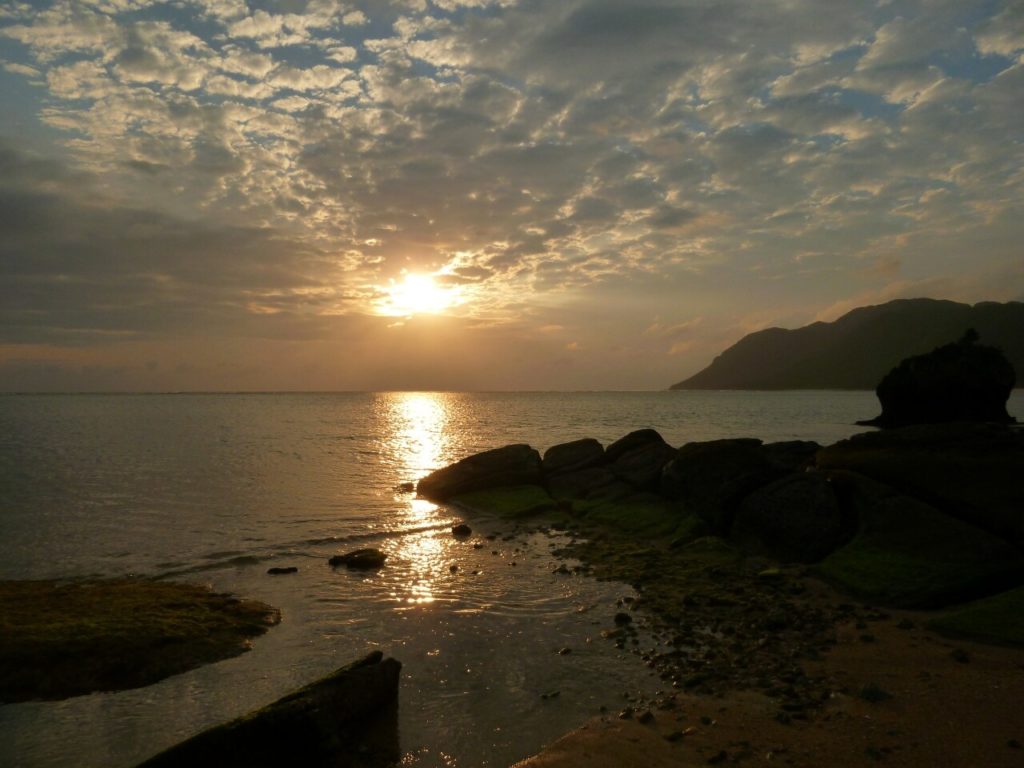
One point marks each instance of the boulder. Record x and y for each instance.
(794, 519)
(964, 381)
(572, 456)
(710, 478)
(360, 559)
(510, 465)
(347, 719)
(791, 455)
(641, 466)
(908, 554)
(970, 471)
(592, 482)
(632, 441)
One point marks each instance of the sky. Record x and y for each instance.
(487, 194)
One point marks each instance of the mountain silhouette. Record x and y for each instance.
(861, 347)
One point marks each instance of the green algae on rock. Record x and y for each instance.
(63, 639)
(908, 554)
(997, 619)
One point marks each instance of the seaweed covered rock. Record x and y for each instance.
(346, 720)
(908, 554)
(508, 466)
(794, 519)
(62, 639)
(963, 381)
(970, 471)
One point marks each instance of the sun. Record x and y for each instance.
(417, 295)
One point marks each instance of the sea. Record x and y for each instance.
(217, 488)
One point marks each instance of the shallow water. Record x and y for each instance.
(217, 488)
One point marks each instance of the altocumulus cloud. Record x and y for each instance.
(259, 170)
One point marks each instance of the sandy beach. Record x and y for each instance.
(899, 695)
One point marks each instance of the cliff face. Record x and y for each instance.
(859, 348)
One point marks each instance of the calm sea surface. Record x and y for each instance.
(217, 488)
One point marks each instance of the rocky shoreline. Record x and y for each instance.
(754, 563)
(757, 567)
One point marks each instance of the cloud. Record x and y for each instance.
(284, 160)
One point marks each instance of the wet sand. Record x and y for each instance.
(898, 695)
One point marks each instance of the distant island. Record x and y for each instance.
(859, 348)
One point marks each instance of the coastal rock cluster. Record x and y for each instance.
(728, 543)
(922, 516)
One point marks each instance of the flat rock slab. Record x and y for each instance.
(63, 639)
(344, 720)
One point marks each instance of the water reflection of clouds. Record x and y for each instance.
(417, 436)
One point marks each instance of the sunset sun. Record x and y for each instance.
(417, 295)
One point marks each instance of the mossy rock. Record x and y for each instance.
(640, 514)
(998, 619)
(970, 471)
(66, 639)
(906, 553)
(510, 501)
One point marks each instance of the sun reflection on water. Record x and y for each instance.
(417, 443)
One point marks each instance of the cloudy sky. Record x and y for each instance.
(487, 194)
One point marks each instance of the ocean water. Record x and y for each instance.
(215, 489)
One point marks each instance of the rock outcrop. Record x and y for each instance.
(963, 381)
(920, 516)
(345, 720)
(508, 466)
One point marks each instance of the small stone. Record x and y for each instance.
(960, 655)
(360, 558)
(674, 736)
(453, 568)
(564, 651)
(1013, 744)
(721, 757)
(550, 695)
(477, 545)
(645, 717)
(461, 530)
(626, 714)
(622, 618)
(280, 571)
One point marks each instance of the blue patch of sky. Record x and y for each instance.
(977, 68)
(866, 104)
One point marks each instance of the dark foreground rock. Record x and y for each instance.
(908, 554)
(345, 720)
(61, 639)
(964, 381)
(970, 471)
(794, 519)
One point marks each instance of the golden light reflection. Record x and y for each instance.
(417, 441)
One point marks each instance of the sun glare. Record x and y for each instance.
(417, 295)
